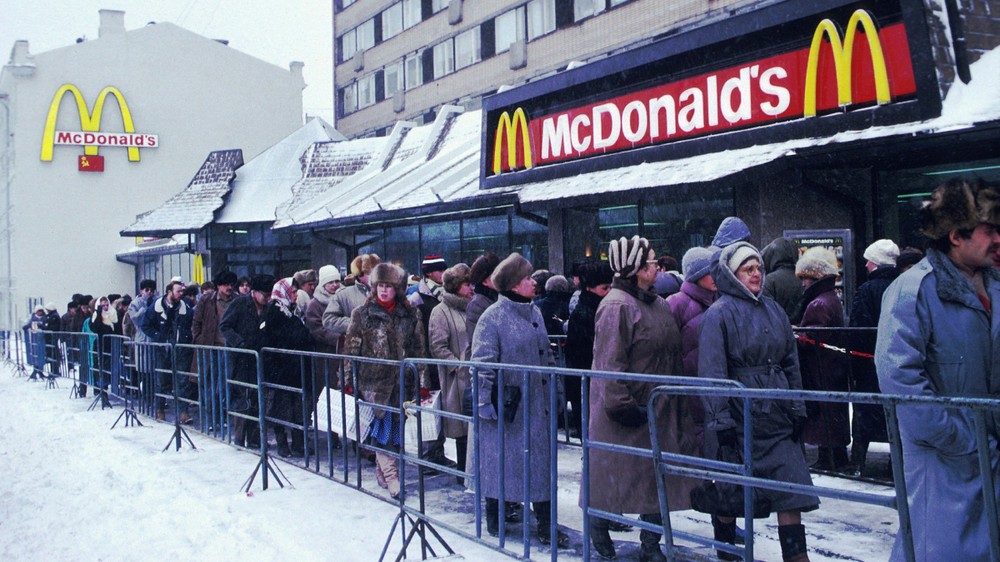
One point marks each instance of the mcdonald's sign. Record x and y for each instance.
(865, 65)
(90, 135)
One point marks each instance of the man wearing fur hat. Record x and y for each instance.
(306, 280)
(337, 316)
(939, 335)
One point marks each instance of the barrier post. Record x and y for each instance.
(179, 430)
(264, 465)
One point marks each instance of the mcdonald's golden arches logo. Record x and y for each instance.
(90, 135)
(508, 127)
(843, 54)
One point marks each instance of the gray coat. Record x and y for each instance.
(449, 341)
(935, 338)
(337, 316)
(636, 333)
(514, 333)
(748, 338)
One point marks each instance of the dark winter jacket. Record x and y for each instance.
(824, 369)
(867, 306)
(554, 307)
(868, 421)
(748, 338)
(240, 327)
(426, 297)
(167, 323)
(284, 330)
(580, 336)
(780, 282)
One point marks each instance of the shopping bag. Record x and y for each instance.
(430, 425)
(365, 415)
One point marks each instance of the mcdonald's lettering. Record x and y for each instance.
(864, 66)
(89, 135)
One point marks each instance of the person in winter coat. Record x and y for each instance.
(555, 304)
(52, 323)
(206, 330)
(168, 320)
(283, 329)
(484, 294)
(102, 323)
(326, 372)
(337, 316)
(386, 327)
(697, 293)
(868, 422)
(240, 327)
(828, 426)
(780, 257)
(636, 334)
(144, 357)
(939, 336)
(746, 336)
(512, 331)
(449, 341)
(595, 278)
(35, 343)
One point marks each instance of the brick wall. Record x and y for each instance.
(980, 23)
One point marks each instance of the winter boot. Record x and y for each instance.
(601, 538)
(390, 471)
(859, 454)
(461, 449)
(724, 532)
(513, 512)
(650, 541)
(493, 516)
(82, 391)
(839, 460)
(541, 510)
(793, 543)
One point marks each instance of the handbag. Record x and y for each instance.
(725, 499)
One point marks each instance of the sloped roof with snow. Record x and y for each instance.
(195, 207)
(266, 181)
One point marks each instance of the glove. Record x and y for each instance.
(633, 416)
(727, 437)
(798, 425)
(487, 412)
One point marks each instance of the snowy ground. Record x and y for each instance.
(76, 490)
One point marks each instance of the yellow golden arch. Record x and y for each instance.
(89, 122)
(509, 126)
(842, 55)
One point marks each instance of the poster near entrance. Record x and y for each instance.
(839, 241)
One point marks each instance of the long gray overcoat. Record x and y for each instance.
(514, 333)
(935, 338)
(448, 341)
(748, 338)
(635, 332)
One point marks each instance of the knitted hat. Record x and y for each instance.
(741, 255)
(432, 263)
(328, 273)
(454, 277)
(628, 255)
(305, 276)
(50, 306)
(225, 277)
(817, 262)
(363, 264)
(961, 205)
(391, 274)
(262, 282)
(882, 252)
(731, 230)
(39, 308)
(511, 271)
(696, 263)
(483, 267)
(557, 284)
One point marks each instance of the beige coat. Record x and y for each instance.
(636, 333)
(449, 340)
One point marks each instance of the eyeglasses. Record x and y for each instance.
(749, 270)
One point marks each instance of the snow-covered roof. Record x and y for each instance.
(195, 207)
(157, 246)
(265, 182)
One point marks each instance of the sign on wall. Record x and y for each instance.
(90, 135)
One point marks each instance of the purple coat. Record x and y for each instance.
(687, 306)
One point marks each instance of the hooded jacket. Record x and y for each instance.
(781, 284)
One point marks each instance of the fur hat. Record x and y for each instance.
(225, 277)
(596, 273)
(363, 264)
(262, 282)
(628, 255)
(328, 273)
(882, 252)
(385, 272)
(909, 257)
(817, 262)
(511, 271)
(483, 267)
(731, 230)
(959, 205)
(696, 263)
(557, 284)
(454, 277)
(432, 263)
(305, 276)
(741, 255)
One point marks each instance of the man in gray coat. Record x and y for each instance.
(337, 316)
(939, 335)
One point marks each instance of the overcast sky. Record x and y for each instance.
(271, 30)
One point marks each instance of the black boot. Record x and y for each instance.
(793, 543)
(601, 538)
(859, 454)
(461, 449)
(541, 510)
(839, 459)
(650, 541)
(493, 516)
(724, 532)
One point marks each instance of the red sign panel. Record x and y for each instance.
(90, 163)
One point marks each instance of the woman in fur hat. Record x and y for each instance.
(745, 336)
(512, 331)
(828, 426)
(386, 327)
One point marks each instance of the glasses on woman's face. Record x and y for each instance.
(749, 270)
